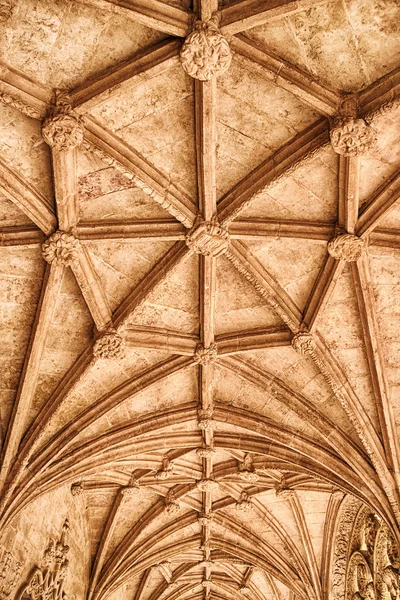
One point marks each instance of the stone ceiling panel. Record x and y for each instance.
(310, 192)
(341, 327)
(238, 306)
(21, 272)
(294, 264)
(40, 39)
(342, 44)
(254, 119)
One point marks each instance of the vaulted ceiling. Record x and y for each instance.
(200, 285)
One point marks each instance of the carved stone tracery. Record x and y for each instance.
(205, 52)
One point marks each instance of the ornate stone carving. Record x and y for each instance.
(207, 485)
(205, 452)
(360, 585)
(47, 582)
(62, 129)
(61, 247)
(247, 470)
(77, 489)
(244, 589)
(346, 247)
(166, 469)
(205, 420)
(348, 512)
(244, 503)
(351, 136)
(6, 9)
(205, 356)
(110, 346)
(205, 52)
(10, 570)
(303, 343)
(208, 238)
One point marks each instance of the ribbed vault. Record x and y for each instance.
(199, 255)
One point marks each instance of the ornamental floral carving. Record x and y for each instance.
(205, 52)
(61, 247)
(109, 346)
(62, 129)
(205, 355)
(351, 136)
(47, 581)
(10, 570)
(208, 238)
(346, 247)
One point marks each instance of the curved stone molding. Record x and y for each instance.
(284, 492)
(351, 137)
(205, 356)
(61, 247)
(109, 346)
(205, 52)
(346, 247)
(62, 129)
(208, 238)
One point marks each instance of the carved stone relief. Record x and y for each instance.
(46, 582)
(205, 52)
(366, 561)
(62, 129)
(109, 346)
(208, 238)
(10, 570)
(351, 137)
(346, 247)
(61, 247)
